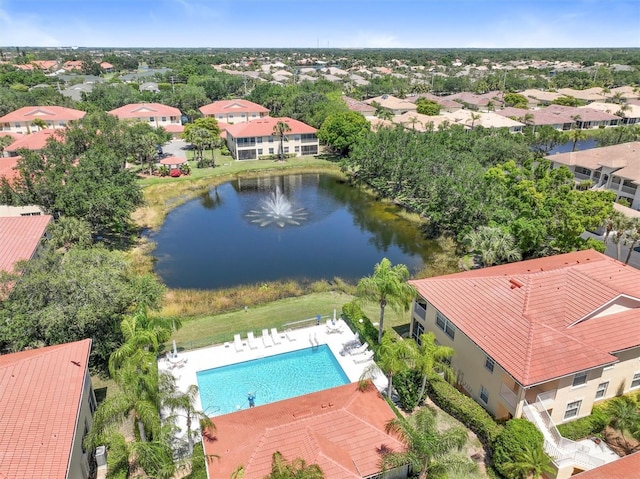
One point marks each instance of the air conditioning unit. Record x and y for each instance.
(101, 456)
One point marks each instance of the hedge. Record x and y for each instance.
(464, 409)
(517, 436)
(584, 427)
(352, 314)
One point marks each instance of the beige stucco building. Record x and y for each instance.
(234, 111)
(545, 339)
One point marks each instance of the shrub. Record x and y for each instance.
(408, 384)
(464, 409)
(517, 436)
(175, 173)
(163, 170)
(352, 313)
(584, 427)
(185, 169)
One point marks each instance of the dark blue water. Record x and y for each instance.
(211, 243)
(580, 145)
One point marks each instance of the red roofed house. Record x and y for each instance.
(342, 430)
(253, 139)
(35, 141)
(361, 107)
(615, 168)
(19, 238)
(107, 67)
(46, 409)
(155, 113)
(21, 120)
(73, 65)
(545, 338)
(234, 111)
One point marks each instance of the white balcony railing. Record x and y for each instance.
(546, 399)
(560, 449)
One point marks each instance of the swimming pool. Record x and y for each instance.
(224, 389)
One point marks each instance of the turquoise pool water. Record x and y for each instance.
(224, 389)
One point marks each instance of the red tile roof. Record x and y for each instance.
(19, 239)
(340, 429)
(172, 160)
(47, 113)
(106, 65)
(627, 467)
(232, 106)
(39, 403)
(264, 127)
(36, 141)
(358, 106)
(145, 110)
(537, 318)
(174, 128)
(8, 168)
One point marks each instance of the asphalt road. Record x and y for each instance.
(177, 148)
(612, 250)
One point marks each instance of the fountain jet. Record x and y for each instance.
(277, 210)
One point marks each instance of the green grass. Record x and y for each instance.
(204, 331)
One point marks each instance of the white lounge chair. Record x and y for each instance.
(289, 334)
(275, 336)
(363, 358)
(237, 342)
(359, 350)
(253, 344)
(266, 339)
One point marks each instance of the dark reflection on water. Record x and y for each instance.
(212, 242)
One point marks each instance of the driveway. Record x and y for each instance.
(176, 148)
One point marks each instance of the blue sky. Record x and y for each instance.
(324, 23)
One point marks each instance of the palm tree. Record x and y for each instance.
(296, 469)
(393, 356)
(618, 236)
(39, 123)
(474, 117)
(618, 98)
(494, 245)
(388, 287)
(614, 222)
(632, 237)
(530, 463)
(68, 231)
(185, 402)
(576, 135)
(624, 416)
(431, 357)
(428, 450)
(413, 120)
(280, 130)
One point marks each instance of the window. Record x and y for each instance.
(271, 139)
(259, 139)
(446, 325)
(242, 115)
(231, 115)
(579, 379)
(484, 395)
(259, 151)
(164, 118)
(418, 330)
(489, 363)
(150, 119)
(220, 117)
(602, 390)
(286, 149)
(572, 409)
(271, 151)
(635, 382)
(297, 149)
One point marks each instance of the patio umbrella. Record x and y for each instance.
(334, 315)
(175, 349)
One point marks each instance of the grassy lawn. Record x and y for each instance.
(207, 330)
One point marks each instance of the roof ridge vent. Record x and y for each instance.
(515, 283)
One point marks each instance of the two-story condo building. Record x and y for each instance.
(254, 139)
(615, 168)
(22, 120)
(46, 410)
(154, 113)
(545, 338)
(234, 111)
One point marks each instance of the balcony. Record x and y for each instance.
(581, 176)
(509, 396)
(631, 190)
(546, 399)
(419, 311)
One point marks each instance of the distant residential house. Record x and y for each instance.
(34, 142)
(107, 67)
(155, 114)
(629, 113)
(482, 119)
(484, 102)
(234, 111)
(545, 339)
(587, 96)
(586, 118)
(46, 65)
(445, 103)
(540, 97)
(75, 91)
(542, 117)
(361, 107)
(149, 86)
(627, 92)
(341, 429)
(46, 410)
(615, 168)
(395, 105)
(254, 139)
(21, 120)
(72, 65)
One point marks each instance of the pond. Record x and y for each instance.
(233, 235)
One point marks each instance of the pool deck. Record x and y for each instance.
(185, 367)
